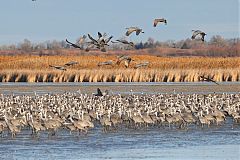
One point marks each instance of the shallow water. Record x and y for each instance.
(216, 142)
(121, 88)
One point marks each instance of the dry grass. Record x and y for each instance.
(90, 62)
(161, 69)
(118, 75)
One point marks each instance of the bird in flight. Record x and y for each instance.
(73, 45)
(127, 60)
(110, 62)
(101, 42)
(133, 29)
(144, 64)
(207, 79)
(124, 42)
(58, 67)
(198, 32)
(71, 63)
(159, 20)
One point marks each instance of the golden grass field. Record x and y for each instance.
(161, 69)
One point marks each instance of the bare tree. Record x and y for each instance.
(26, 45)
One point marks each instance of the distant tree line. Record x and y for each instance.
(216, 46)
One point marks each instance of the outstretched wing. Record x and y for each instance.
(99, 35)
(155, 22)
(99, 92)
(72, 44)
(129, 31)
(211, 80)
(108, 39)
(195, 33)
(92, 39)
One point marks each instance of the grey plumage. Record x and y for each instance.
(198, 32)
(144, 64)
(71, 63)
(105, 63)
(127, 60)
(58, 67)
(73, 45)
(133, 29)
(124, 42)
(159, 20)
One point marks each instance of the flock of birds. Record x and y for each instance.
(79, 112)
(126, 59)
(122, 58)
(102, 41)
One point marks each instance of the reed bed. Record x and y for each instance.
(118, 75)
(161, 69)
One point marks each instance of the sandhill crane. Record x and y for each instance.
(124, 42)
(82, 39)
(144, 64)
(147, 119)
(127, 60)
(198, 32)
(101, 42)
(115, 119)
(73, 45)
(99, 92)
(133, 29)
(36, 125)
(106, 122)
(105, 63)
(58, 67)
(93, 41)
(159, 20)
(188, 118)
(202, 119)
(71, 63)
(79, 125)
(52, 125)
(138, 120)
(3, 125)
(207, 79)
(13, 129)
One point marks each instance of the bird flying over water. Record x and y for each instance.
(99, 92)
(207, 79)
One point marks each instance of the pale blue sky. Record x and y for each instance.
(59, 19)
